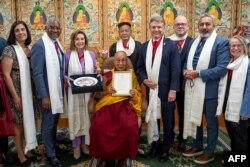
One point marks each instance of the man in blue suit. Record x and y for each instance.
(206, 64)
(159, 69)
(182, 41)
(47, 62)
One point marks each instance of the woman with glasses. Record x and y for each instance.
(235, 94)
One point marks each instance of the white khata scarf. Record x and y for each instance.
(237, 87)
(174, 37)
(78, 113)
(195, 89)
(53, 73)
(131, 44)
(27, 100)
(154, 106)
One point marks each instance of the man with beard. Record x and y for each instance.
(206, 64)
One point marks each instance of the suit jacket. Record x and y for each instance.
(217, 67)
(169, 76)
(133, 57)
(183, 58)
(39, 70)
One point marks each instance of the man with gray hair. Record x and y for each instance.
(207, 62)
(159, 69)
(47, 62)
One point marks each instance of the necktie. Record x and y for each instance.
(230, 74)
(125, 46)
(58, 52)
(57, 48)
(179, 44)
(154, 50)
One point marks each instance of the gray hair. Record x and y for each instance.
(242, 41)
(207, 15)
(158, 19)
(52, 20)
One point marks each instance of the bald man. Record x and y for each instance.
(182, 41)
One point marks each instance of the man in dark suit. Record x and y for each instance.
(182, 41)
(207, 62)
(159, 69)
(126, 44)
(47, 62)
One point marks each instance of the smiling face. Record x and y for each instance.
(205, 26)
(20, 33)
(120, 61)
(53, 29)
(79, 42)
(125, 32)
(157, 30)
(180, 26)
(236, 48)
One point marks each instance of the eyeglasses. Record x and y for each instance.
(118, 61)
(236, 46)
(180, 24)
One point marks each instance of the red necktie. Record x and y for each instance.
(230, 74)
(125, 46)
(57, 48)
(154, 50)
(179, 44)
(202, 38)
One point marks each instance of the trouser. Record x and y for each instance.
(238, 135)
(48, 130)
(210, 107)
(180, 106)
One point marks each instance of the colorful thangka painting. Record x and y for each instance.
(168, 13)
(168, 10)
(38, 18)
(84, 16)
(222, 11)
(1, 20)
(120, 11)
(7, 13)
(213, 8)
(36, 13)
(124, 13)
(81, 16)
